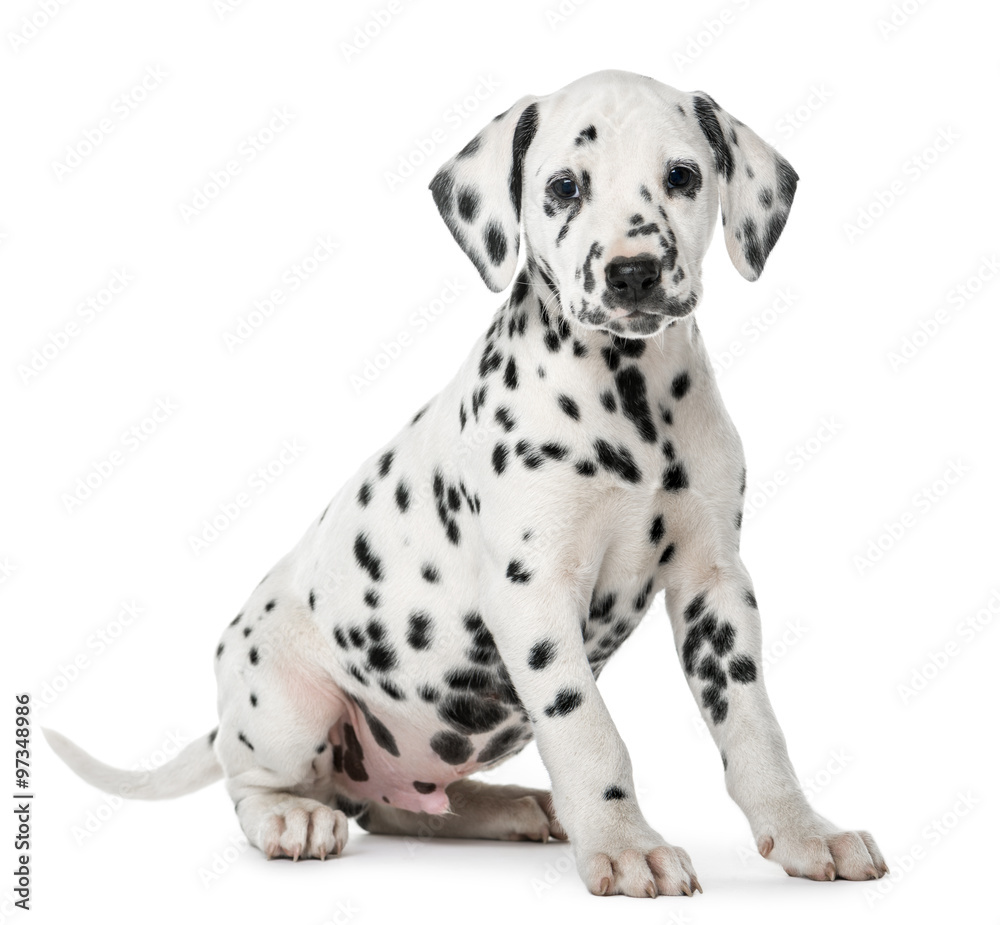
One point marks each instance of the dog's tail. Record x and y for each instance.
(195, 767)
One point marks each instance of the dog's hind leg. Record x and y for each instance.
(277, 704)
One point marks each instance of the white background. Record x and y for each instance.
(855, 106)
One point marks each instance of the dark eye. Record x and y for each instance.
(565, 188)
(678, 176)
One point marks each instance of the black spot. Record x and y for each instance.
(468, 203)
(668, 450)
(645, 194)
(566, 701)
(376, 630)
(679, 387)
(365, 494)
(499, 458)
(709, 670)
(419, 633)
(716, 138)
(236, 619)
(490, 360)
(451, 747)
(656, 530)
(743, 669)
(462, 416)
(504, 419)
(247, 631)
(608, 400)
(499, 745)
(253, 700)
(600, 608)
(766, 197)
(385, 463)
(441, 189)
(416, 418)
(667, 415)
(554, 450)
(383, 738)
(618, 460)
(423, 787)
(312, 600)
(552, 341)
(713, 700)
(510, 374)
(338, 758)
(614, 793)
(428, 694)
(520, 290)
(587, 134)
(586, 467)
(429, 573)
(541, 654)
(517, 573)
(353, 755)
(748, 596)
(381, 657)
(787, 180)
(496, 243)
(569, 407)
(642, 599)
(366, 558)
(725, 761)
(357, 637)
(402, 497)
(667, 554)
(253, 656)
(358, 675)
(269, 606)
(524, 132)
(371, 597)
(245, 741)
(723, 639)
(675, 478)
(471, 714)
(579, 350)
(218, 652)
(338, 634)
(695, 608)
(454, 499)
(212, 736)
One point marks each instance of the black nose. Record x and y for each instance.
(632, 278)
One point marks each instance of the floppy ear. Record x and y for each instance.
(478, 192)
(756, 186)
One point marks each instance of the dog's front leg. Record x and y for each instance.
(716, 627)
(535, 618)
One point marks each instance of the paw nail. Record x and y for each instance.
(765, 846)
(651, 890)
(696, 884)
(686, 890)
(605, 886)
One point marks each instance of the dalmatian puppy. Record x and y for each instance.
(462, 592)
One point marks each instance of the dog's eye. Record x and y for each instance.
(565, 188)
(678, 176)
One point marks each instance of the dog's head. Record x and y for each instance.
(618, 180)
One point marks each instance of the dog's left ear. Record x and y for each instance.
(478, 192)
(756, 186)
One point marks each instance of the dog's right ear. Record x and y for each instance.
(478, 192)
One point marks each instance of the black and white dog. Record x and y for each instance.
(462, 592)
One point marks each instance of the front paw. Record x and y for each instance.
(643, 870)
(820, 852)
